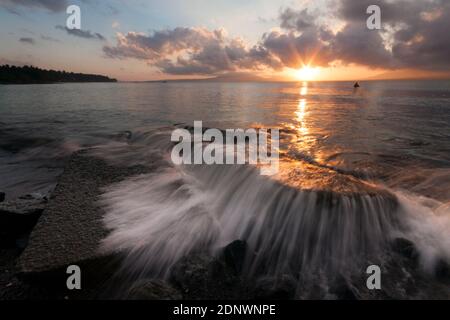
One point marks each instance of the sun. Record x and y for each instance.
(307, 73)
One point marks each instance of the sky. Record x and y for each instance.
(138, 40)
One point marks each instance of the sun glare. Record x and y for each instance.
(307, 73)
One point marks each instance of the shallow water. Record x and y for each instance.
(392, 137)
(396, 131)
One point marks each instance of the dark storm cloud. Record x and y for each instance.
(27, 40)
(51, 5)
(414, 35)
(86, 34)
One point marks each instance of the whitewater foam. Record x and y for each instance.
(157, 219)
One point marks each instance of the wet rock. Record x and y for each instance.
(234, 255)
(22, 242)
(200, 276)
(192, 274)
(343, 289)
(35, 197)
(98, 280)
(71, 229)
(271, 288)
(402, 280)
(14, 143)
(2, 196)
(153, 290)
(18, 217)
(442, 270)
(406, 248)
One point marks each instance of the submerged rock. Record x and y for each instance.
(153, 290)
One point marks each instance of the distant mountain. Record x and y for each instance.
(33, 75)
(226, 77)
(407, 74)
(238, 77)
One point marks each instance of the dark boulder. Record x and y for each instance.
(234, 255)
(18, 217)
(153, 290)
(2, 196)
(442, 270)
(405, 248)
(272, 288)
(200, 276)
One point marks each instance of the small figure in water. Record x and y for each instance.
(356, 85)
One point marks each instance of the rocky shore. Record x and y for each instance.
(41, 235)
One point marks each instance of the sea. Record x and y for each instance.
(358, 167)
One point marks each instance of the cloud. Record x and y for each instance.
(201, 51)
(164, 42)
(303, 40)
(291, 19)
(417, 30)
(50, 5)
(27, 40)
(424, 42)
(414, 35)
(294, 50)
(86, 34)
(392, 11)
(190, 51)
(355, 44)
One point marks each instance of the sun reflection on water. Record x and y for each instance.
(301, 110)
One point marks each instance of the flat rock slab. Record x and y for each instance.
(70, 228)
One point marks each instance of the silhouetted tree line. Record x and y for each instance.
(29, 74)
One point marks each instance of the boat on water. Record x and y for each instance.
(356, 85)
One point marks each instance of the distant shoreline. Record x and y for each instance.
(32, 75)
(60, 82)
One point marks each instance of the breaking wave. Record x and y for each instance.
(158, 218)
